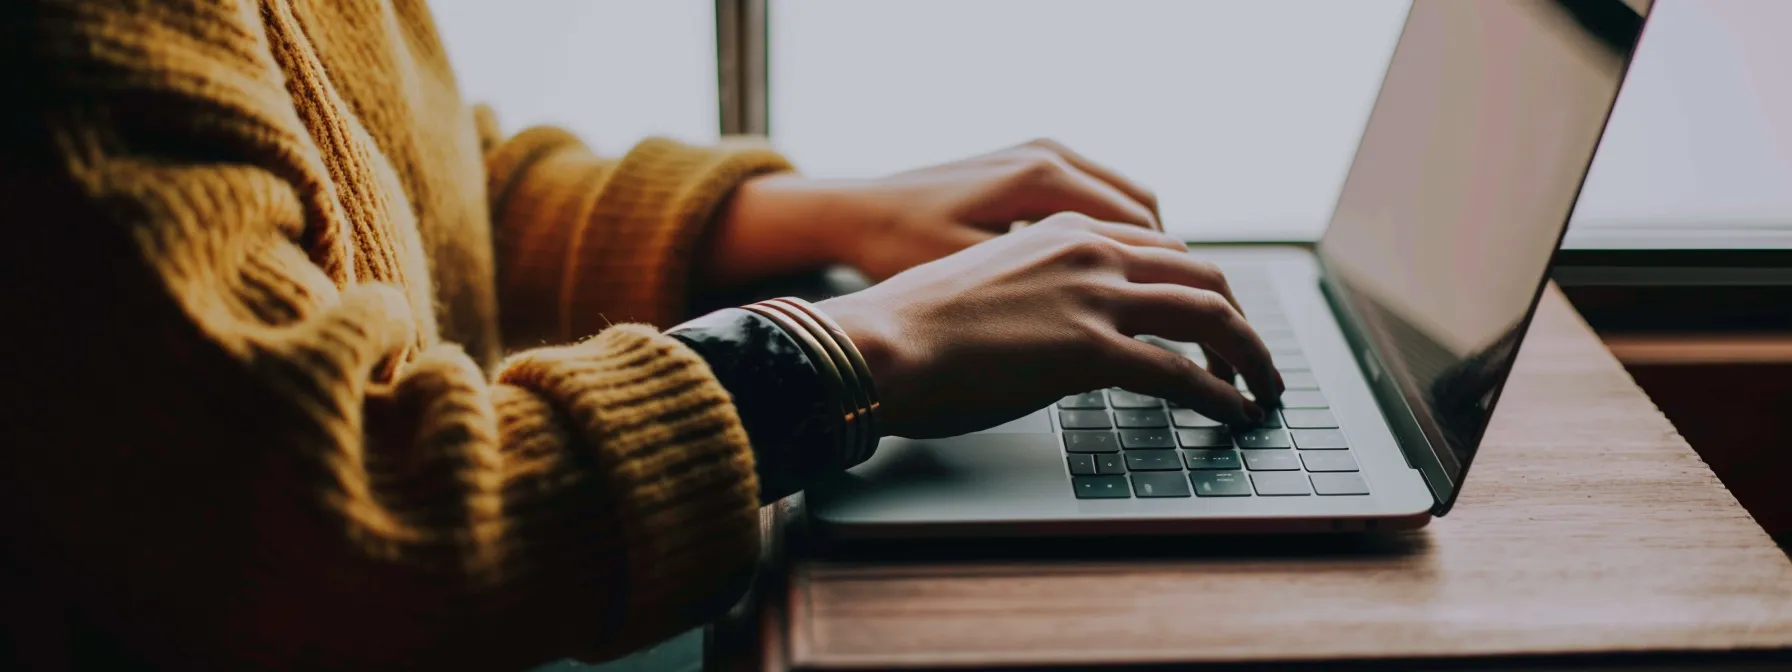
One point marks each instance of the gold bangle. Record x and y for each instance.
(852, 352)
(846, 432)
(867, 431)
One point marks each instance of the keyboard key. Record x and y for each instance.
(1215, 437)
(1186, 418)
(1110, 463)
(1290, 363)
(1101, 487)
(1086, 400)
(1272, 419)
(1134, 439)
(1091, 442)
(1331, 460)
(1142, 419)
(1261, 438)
(1340, 484)
(1300, 380)
(1271, 460)
(1082, 465)
(1124, 399)
(1281, 484)
(1303, 399)
(1153, 460)
(1160, 484)
(1212, 459)
(1318, 439)
(1220, 483)
(1084, 419)
(1309, 418)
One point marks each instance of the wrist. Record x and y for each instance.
(764, 231)
(874, 333)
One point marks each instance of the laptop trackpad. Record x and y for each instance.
(1037, 422)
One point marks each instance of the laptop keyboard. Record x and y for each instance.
(1121, 444)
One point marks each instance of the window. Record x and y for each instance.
(1242, 115)
(612, 71)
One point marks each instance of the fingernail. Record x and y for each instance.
(1252, 411)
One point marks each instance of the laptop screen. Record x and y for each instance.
(1462, 185)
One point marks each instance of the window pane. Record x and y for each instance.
(1242, 115)
(612, 71)
(1702, 135)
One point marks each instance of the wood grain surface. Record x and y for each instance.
(1587, 526)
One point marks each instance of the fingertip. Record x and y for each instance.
(1252, 412)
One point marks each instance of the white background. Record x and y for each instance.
(1242, 114)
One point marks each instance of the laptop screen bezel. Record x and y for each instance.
(1420, 438)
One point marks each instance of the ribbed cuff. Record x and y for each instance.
(584, 242)
(637, 248)
(671, 455)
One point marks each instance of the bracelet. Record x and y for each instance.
(856, 360)
(843, 367)
(865, 435)
(843, 430)
(779, 392)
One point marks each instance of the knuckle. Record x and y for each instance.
(1041, 169)
(1068, 220)
(1207, 304)
(1149, 197)
(1181, 367)
(1211, 274)
(1047, 144)
(1089, 251)
(1100, 294)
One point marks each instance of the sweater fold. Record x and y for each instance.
(264, 424)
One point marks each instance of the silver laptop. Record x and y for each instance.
(1395, 336)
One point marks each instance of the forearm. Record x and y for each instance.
(778, 225)
(583, 241)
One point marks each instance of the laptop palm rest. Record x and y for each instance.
(1014, 471)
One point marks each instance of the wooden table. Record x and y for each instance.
(1588, 528)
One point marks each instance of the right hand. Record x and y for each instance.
(1008, 326)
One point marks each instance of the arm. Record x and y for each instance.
(233, 453)
(583, 242)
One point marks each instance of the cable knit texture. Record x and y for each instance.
(255, 290)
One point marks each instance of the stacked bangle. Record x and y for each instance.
(841, 366)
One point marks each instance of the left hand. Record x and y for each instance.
(915, 217)
(785, 223)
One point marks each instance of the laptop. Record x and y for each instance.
(1394, 335)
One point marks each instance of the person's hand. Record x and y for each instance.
(918, 216)
(1001, 329)
(881, 227)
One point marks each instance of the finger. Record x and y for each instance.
(1188, 314)
(1177, 267)
(1138, 237)
(1053, 185)
(1172, 264)
(1218, 366)
(1147, 369)
(1153, 266)
(1132, 189)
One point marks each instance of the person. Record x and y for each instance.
(315, 369)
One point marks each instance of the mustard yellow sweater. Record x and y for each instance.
(261, 264)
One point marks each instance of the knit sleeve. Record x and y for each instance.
(585, 241)
(233, 450)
